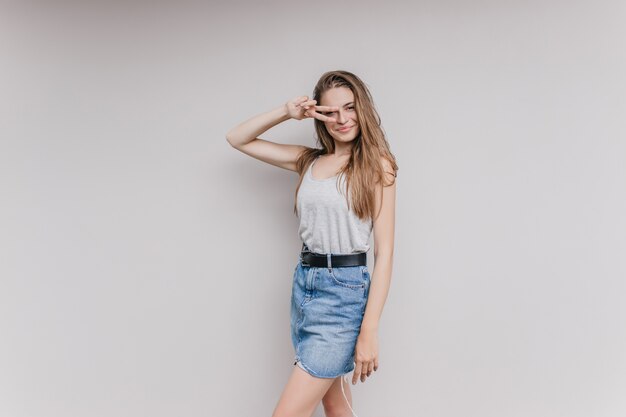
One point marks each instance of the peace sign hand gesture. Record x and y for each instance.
(301, 107)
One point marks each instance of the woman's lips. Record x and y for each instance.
(345, 130)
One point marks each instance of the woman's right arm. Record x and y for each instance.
(244, 136)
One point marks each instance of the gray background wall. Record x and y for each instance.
(146, 266)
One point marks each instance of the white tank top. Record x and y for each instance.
(326, 224)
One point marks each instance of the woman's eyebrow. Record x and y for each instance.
(347, 104)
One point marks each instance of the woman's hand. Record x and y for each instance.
(365, 355)
(301, 107)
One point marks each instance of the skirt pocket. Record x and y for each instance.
(353, 277)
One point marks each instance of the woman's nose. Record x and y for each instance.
(342, 117)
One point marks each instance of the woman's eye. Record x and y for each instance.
(328, 113)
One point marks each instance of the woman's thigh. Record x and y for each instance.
(333, 399)
(302, 394)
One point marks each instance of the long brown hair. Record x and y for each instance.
(364, 169)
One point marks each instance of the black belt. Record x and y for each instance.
(321, 260)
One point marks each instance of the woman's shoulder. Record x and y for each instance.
(390, 170)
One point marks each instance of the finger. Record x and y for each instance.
(308, 103)
(322, 117)
(370, 368)
(357, 372)
(299, 100)
(364, 374)
(326, 108)
(376, 364)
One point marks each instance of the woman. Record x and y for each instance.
(346, 189)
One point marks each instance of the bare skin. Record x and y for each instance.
(304, 392)
(334, 403)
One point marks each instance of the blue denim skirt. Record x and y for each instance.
(327, 307)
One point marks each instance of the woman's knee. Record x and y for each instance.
(335, 405)
(336, 408)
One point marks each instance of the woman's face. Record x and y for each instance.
(346, 126)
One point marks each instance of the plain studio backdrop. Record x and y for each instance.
(146, 265)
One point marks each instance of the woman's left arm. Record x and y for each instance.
(366, 351)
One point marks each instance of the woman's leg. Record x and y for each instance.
(334, 403)
(301, 395)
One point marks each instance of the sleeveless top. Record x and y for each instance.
(326, 224)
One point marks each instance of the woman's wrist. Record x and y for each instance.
(369, 328)
(283, 113)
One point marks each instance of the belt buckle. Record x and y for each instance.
(302, 261)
